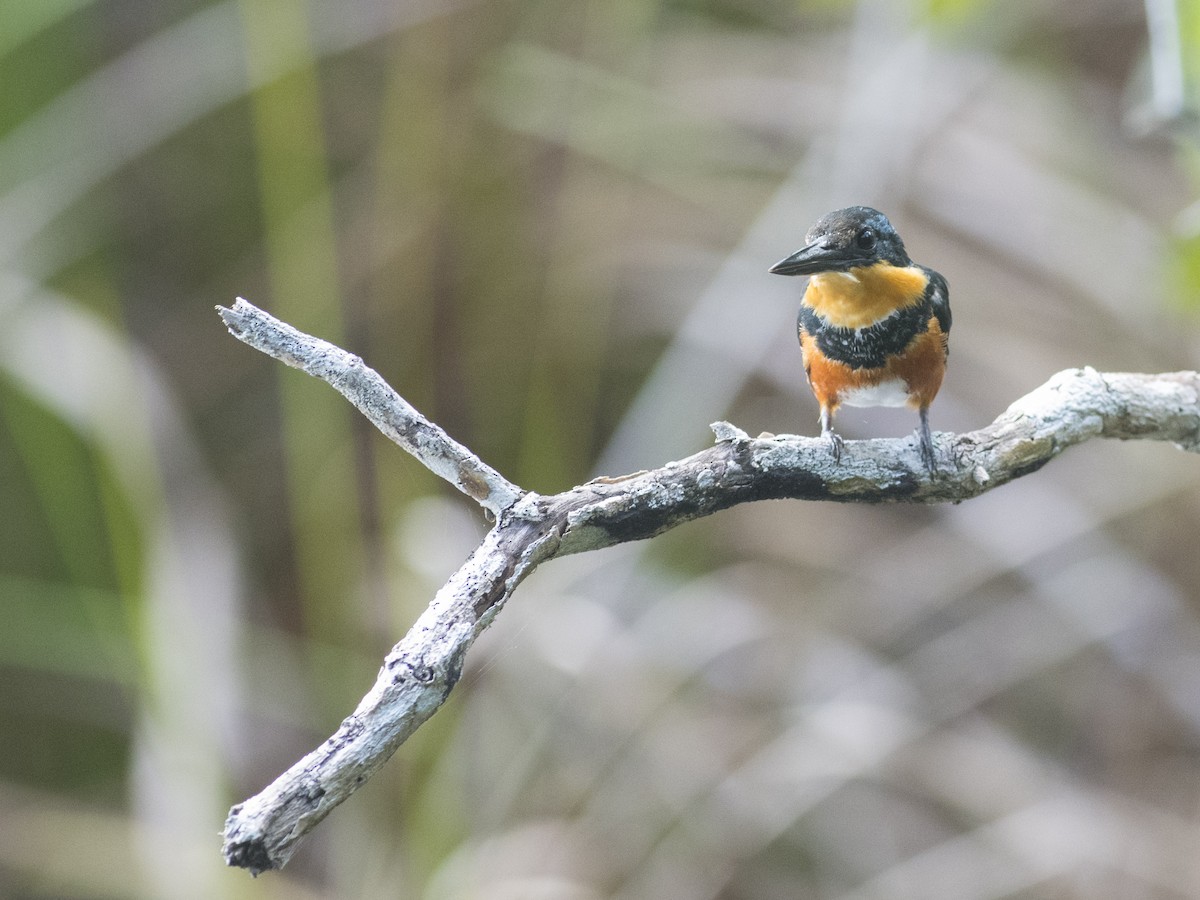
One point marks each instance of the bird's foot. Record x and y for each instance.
(925, 440)
(835, 444)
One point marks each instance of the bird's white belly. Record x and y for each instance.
(889, 393)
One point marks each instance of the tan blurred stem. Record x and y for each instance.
(419, 673)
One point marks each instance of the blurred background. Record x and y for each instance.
(548, 225)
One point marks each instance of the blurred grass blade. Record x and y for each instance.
(184, 624)
(20, 21)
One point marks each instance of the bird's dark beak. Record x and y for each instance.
(810, 260)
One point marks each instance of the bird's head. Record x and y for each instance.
(846, 239)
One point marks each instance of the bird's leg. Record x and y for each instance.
(827, 432)
(926, 439)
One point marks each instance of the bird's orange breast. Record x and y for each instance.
(917, 371)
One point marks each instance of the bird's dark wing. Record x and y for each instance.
(938, 294)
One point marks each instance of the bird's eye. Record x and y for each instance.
(866, 239)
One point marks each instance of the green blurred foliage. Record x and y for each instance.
(953, 11)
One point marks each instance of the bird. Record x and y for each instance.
(874, 326)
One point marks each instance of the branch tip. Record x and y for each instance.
(727, 433)
(374, 398)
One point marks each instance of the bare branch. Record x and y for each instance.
(415, 680)
(420, 671)
(375, 399)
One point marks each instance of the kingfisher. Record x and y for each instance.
(874, 326)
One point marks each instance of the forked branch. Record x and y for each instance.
(420, 671)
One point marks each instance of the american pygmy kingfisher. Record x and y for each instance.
(874, 326)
